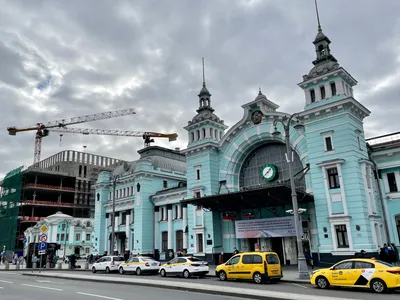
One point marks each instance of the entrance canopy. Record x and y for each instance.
(277, 195)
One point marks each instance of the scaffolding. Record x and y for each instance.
(9, 208)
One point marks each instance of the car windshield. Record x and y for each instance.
(194, 259)
(118, 258)
(384, 263)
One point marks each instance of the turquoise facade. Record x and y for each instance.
(193, 199)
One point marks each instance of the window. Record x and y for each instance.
(272, 259)
(252, 259)
(344, 266)
(341, 235)
(123, 218)
(176, 211)
(161, 213)
(204, 133)
(67, 237)
(363, 265)
(164, 241)
(198, 174)
(78, 237)
(197, 195)
(181, 260)
(234, 260)
(211, 133)
(58, 237)
(312, 94)
(359, 143)
(200, 243)
(80, 171)
(87, 236)
(62, 237)
(84, 171)
(333, 178)
(333, 88)
(165, 184)
(322, 89)
(198, 134)
(87, 250)
(328, 144)
(179, 240)
(63, 226)
(392, 182)
(192, 136)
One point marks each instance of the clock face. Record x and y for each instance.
(269, 172)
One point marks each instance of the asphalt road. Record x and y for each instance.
(14, 286)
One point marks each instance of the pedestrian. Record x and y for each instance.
(235, 251)
(307, 255)
(221, 259)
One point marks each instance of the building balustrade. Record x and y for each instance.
(49, 187)
(47, 203)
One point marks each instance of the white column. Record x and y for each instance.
(328, 90)
(156, 230)
(170, 228)
(185, 223)
(127, 230)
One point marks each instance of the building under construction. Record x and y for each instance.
(62, 182)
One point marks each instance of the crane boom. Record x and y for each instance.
(87, 131)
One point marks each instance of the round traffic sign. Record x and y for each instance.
(43, 238)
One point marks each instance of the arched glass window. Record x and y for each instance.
(198, 134)
(204, 133)
(250, 174)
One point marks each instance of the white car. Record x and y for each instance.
(107, 264)
(140, 265)
(185, 266)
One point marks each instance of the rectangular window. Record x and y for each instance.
(333, 88)
(197, 194)
(179, 240)
(176, 212)
(164, 241)
(165, 184)
(198, 174)
(87, 250)
(58, 237)
(181, 209)
(200, 243)
(87, 236)
(78, 237)
(328, 144)
(333, 178)
(392, 182)
(161, 214)
(312, 95)
(63, 226)
(359, 143)
(67, 237)
(341, 235)
(322, 89)
(62, 237)
(80, 171)
(84, 171)
(123, 218)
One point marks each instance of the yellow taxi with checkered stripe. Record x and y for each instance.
(139, 265)
(379, 276)
(187, 266)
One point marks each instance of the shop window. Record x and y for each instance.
(392, 182)
(322, 90)
(312, 95)
(333, 88)
(179, 240)
(341, 236)
(333, 178)
(164, 241)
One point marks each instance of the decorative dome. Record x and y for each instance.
(323, 68)
(205, 115)
(260, 96)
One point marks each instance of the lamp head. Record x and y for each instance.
(276, 132)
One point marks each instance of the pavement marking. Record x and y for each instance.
(98, 296)
(48, 281)
(42, 287)
(304, 287)
(3, 281)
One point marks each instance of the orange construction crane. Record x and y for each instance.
(42, 129)
(147, 136)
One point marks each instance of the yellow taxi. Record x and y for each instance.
(139, 265)
(377, 275)
(256, 266)
(185, 266)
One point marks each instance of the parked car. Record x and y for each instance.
(107, 264)
(185, 266)
(256, 266)
(140, 265)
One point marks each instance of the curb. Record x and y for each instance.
(272, 294)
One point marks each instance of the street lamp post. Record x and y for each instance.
(301, 260)
(112, 239)
(66, 222)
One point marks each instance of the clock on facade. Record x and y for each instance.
(269, 172)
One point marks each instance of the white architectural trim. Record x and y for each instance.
(342, 191)
(331, 163)
(341, 221)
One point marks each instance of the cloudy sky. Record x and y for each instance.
(62, 59)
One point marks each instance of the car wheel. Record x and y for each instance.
(94, 270)
(163, 273)
(107, 270)
(222, 276)
(257, 278)
(186, 274)
(121, 270)
(322, 282)
(138, 271)
(378, 286)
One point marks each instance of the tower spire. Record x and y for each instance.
(316, 10)
(204, 77)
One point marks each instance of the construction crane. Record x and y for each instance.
(147, 136)
(42, 129)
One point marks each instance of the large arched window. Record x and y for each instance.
(250, 173)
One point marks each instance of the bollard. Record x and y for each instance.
(34, 265)
(59, 265)
(86, 266)
(7, 266)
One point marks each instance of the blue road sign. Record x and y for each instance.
(42, 246)
(25, 240)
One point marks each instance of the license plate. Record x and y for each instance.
(274, 272)
(154, 264)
